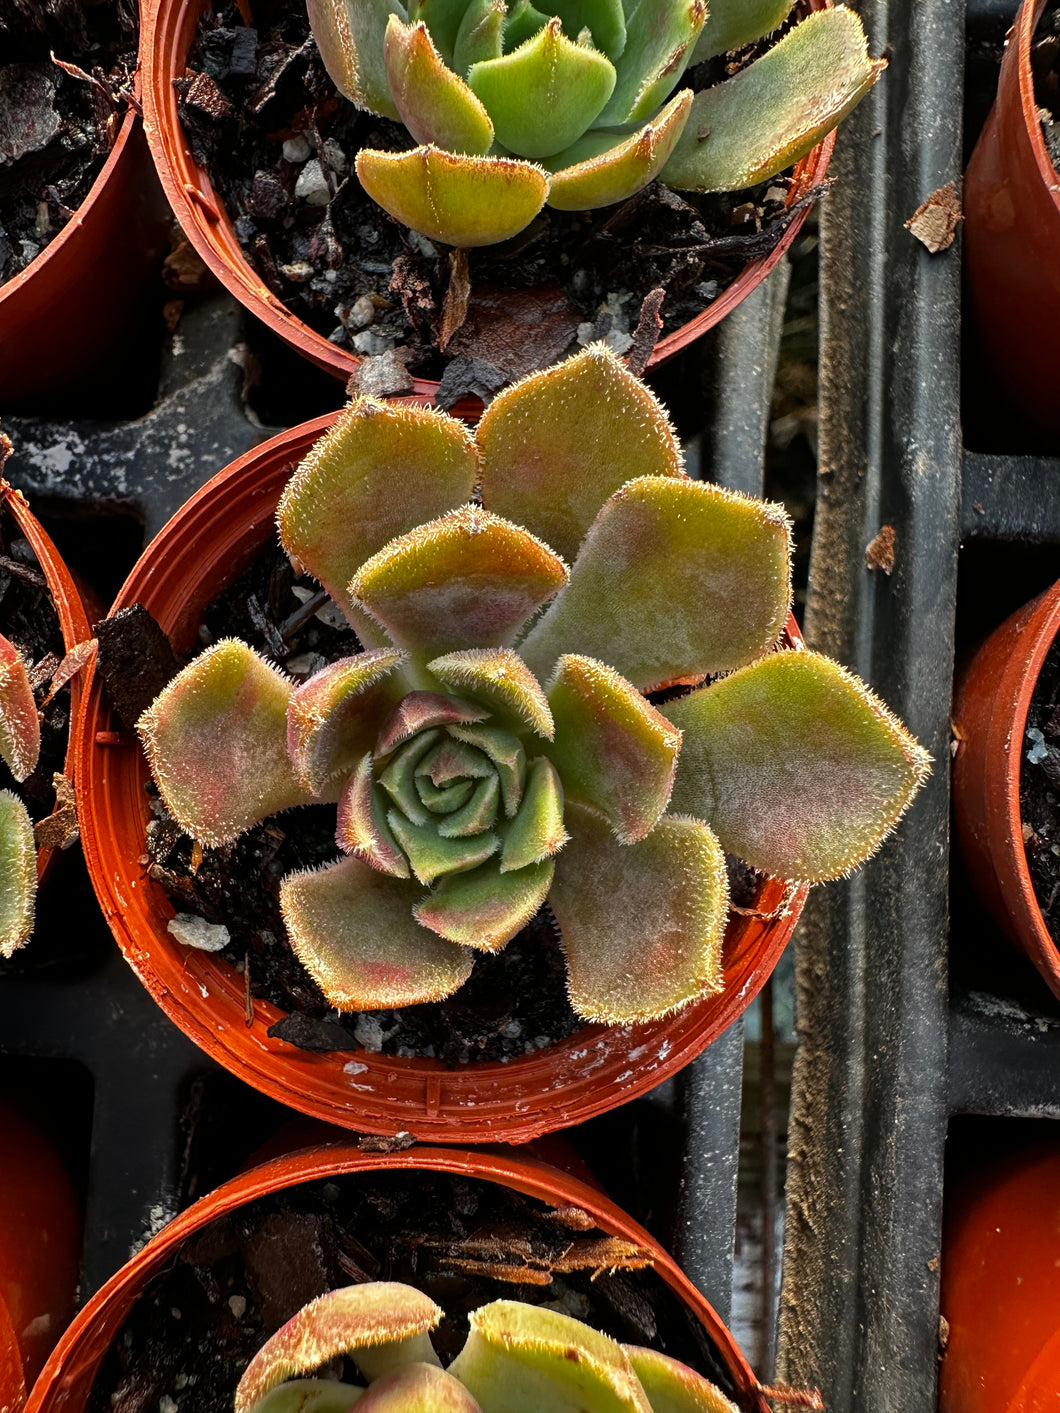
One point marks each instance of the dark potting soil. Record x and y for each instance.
(29, 620)
(463, 1241)
(1040, 791)
(1045, 65)
(278, 141)
(515, 1001)
(58, 120)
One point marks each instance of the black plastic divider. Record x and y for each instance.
(166, 1122)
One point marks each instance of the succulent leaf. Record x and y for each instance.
(353, 930)
(796, 765)
(380, 470)
(660, 37)
(362, 827)
(537, 830)
(469, 579)
(431, 855)
(19, 722)
(453, 198)
(18, 874)
(501, 680)
(479, 814)
(600, 170)
(521, 23)
(332, 718)
(382, 1324)
(555, 445)
(418, 1388)
(732, 24)
(542, 96)
(420, 711)
(653, 588)
(613, 750)
(605, 19)
(399, 777)
(773, 112)
(435, 104)
(519, 1357)
(481, 34)
(216, 739)
(442, 18)
(486, 907)
(349, 35)
(642, 924)
(506, 753)
(309, 1396)
(672, 1387)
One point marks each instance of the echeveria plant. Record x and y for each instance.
(572, 102)
(19, 749)
(516, 1357)
(494, 745)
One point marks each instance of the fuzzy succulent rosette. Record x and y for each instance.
(516, 1357)
(494, 745)
(573, 102)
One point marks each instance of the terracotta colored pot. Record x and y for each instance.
(989, 717)
(1000, 1287)
(170, 33)
(39, 1251)
(70, 308)
(67, 1378)
(205, 546)
(72, 620)
(1012, 237)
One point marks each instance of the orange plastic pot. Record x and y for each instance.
(67, 1378)
(201, 212)
(1012, 237)
(70, 309)
(68, 606)
(1000, 1286)
(39, 1250)
(206, 545)
(990, 716)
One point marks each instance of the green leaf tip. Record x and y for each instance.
(382, 1325)
(733, 24)
(352, 929)
(771, 113)
(454, 198)
(216, 741)
(19, 721)
(331, 718)
(555, 445)
(18, 874)
(799, 768)
(672, 1387)
(642, 925)
(436, 105)
(499, 679)
(349, 35)
(684, 552)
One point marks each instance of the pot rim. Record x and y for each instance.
(1044, 627)
(73, 621)
(11, 289)
(88, 1338)
(1025, 24)
(479, 1102)
(205, 221)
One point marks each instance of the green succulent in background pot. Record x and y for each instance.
(19, 749)
(516, 1356)
(495, 746)
(574, 103)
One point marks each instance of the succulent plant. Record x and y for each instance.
(494, 745)
(573, 103)
(516, 1357)
(19, 749)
